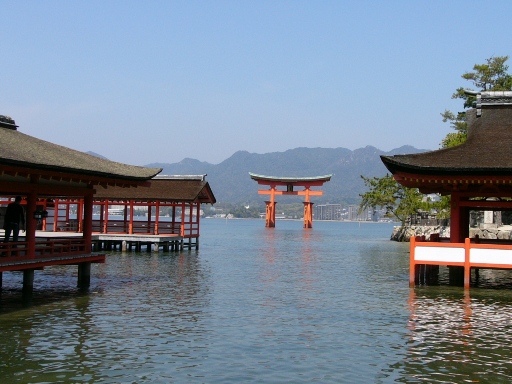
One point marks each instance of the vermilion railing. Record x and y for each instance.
(43, 249)
(470, 254)
(138, 227)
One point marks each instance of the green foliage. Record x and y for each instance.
(402, 202)
(443, 207)
(397, 200)
(292, 210)
(245, 212)
(240, 211)
(491, 76)
(453, 138)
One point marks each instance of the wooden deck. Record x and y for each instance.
(107, 241)
(124, 242)
(49, 250)
(19, 263)
(68, 248)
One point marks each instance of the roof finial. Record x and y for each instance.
(7, 122)
(490, 99)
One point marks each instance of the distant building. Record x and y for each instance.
(365, 215)
(327, 212)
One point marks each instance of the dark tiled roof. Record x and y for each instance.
(290, 179)
(172, 189)
(21, 150)
(487, 150)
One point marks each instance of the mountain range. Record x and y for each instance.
(231, 183)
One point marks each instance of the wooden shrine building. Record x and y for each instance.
(180, 196)
(40, 171)
(290, 184)
(478, 177)
(165, 213)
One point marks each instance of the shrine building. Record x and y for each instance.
(165, 213)
(478, 177)
(180, 196)
(39, 171)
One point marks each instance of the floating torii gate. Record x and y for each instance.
(290, 183)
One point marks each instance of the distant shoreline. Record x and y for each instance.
(325, 221)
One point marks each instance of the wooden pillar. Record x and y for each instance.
(87, 226)
(412, 262)
(105, 223)
(308, 214)
(84, 275)
(80, 215)
(28, 280)
(182, 230)
(270, 217)
(189, 224)
(130, 226)
(467, 268)
(30, 225)
(43, 227)
(308, 211)
(198, 218)
(150, 210)
(55, 214)
(102, 216)
(125, 216)
(157, 216)
(456, 235)
(173, 218)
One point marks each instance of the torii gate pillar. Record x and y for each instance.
(308, 214)
(289, 183)
(270, 216)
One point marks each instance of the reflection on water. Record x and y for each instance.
(122, 329)
(331, 304)
(458, 336)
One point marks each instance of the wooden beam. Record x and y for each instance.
(296, 193)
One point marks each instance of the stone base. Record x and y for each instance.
(405, 233)
(502, 233)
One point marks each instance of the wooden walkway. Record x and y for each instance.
(68, 248)
(124, 242)
(18, 256)
(18, 263)
(117, 241)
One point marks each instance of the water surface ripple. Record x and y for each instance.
(331, 304)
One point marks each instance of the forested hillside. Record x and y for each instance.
(231, 183)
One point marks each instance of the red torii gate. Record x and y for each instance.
(290, 183)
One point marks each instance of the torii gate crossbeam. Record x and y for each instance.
(290, 183)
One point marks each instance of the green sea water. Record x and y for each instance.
(329, 305)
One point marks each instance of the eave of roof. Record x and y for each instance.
(289, 179)
(409, 164)
(477, 185)
(21, 150)
(162, 189)
(485, 152)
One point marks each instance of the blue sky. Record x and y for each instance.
(159, 81)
